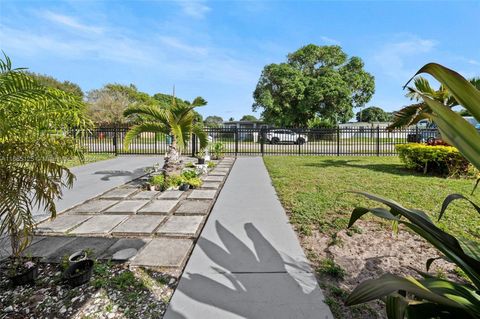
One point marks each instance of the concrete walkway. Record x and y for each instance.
(96, 178)
(248, 262)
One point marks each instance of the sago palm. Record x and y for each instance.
(34, 120)
(176, 120)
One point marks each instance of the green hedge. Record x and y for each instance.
(439, 159)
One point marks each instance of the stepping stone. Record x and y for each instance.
(171, 194)
(145, 195)
(194, 207)
(164, 252)
(47, 246)
(211, 178)
(221, 169)
(202, 194)
(6, 248)
(118, 193)
(217, 173)
(125, 254)
(62, 223)
(126, 207)
(213, 185)
(97, 244)
(122, 245)
(180, 226)
(99, 225)
(92, 207)
(158, 207)
(138, 225)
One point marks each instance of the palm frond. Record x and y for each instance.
(200, 133)
(136, 130)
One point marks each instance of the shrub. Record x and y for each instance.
(187, 174)
(194, 182)
(217, 150)
(157, 180)
(439, 159)
(174, 181)
(211, 164)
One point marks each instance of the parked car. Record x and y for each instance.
(431, 134)
(285, 136)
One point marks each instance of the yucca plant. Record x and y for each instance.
(34, 121)
(432, 297)
(176, 120)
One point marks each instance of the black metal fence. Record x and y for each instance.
(241, 141)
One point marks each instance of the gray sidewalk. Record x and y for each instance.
(248, 262)
(95, 178)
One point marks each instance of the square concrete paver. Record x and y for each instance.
(62, 223)
(163, 252)
(194, 207)
(212, 178)
(114, 251)
(145, 195)
(217, 173)
(97, 244)
(158, 206)
(138, 225)
(171, 194)
(92, 207)
(126, 207)
(202, 194)
(118, 193)
(99, 225)
(212, 185)
(47, 246)
(180, 226)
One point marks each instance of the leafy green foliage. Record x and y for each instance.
(329, 267)
(213, 121)
(433, 297)
(189, 174)
(34, 121)
(157, 180)
(217, 150)
(373, 114)
(439, 159)
(315, 81)
(49, 81)
(211, 164)
(250, 118)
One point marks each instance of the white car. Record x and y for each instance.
(285, 136)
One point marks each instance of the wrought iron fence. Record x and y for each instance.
(278, 141)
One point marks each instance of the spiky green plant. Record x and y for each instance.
(430, 296)
(34, 121)
(177, 120)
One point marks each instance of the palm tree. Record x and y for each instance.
(176, 120)
(34, 120)
(413, 113)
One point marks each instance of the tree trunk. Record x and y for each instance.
(173, 163)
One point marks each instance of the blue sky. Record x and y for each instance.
(217, 49)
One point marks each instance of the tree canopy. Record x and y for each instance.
(316, 81)
(250, 118)
(51, 82)
(373, 114)
(213, 121)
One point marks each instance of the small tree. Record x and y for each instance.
(177, 120)
(34, 141)
(213, 121)
(373, 114)
(250, 118)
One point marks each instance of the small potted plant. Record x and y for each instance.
(79, 256)
(79, 273)
(201, 156)
(22, 270)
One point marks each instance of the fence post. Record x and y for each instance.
(378, 141)
(236, 141)
(338, 140)
(194, 145)
(417, 138)
(115, 131)
(262, 141)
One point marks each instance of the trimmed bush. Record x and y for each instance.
(438, 159)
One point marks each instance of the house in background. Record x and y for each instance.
(245, 124)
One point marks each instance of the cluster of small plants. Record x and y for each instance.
(436, 159)
(217, 150)
(188, 177)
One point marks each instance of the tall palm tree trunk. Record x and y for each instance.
(172, 163)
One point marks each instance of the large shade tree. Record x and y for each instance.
(174, 119)
(213, 121)
(373, 114)
(315, 81)
(35, 121)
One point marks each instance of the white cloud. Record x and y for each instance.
(330, 41)
(392, 57)
(70, 22)
(473, 62)
(179, 45)
(194, 8)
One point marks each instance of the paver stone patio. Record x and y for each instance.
(180, 226)
(158, 207)
(163, 252)
(99, 225)
(138, 225)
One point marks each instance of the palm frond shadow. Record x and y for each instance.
(108, 174)
(247, 279)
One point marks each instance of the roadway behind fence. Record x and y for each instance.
(241, 141)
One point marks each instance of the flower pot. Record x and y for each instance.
(201, 161)
(27, 276)
(77, 256)
(79, 273)
(184, 187)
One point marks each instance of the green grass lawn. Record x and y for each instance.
(313, 190)
(89, 158)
